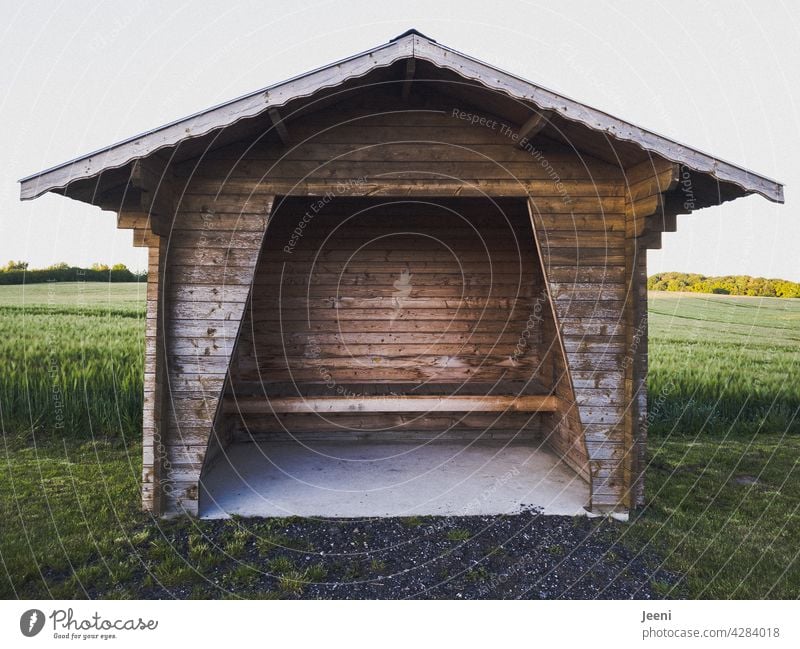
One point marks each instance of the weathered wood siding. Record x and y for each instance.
(153, 424)
(563, 430)
(585, 268)
(649, 210)
(211, 258)
(371, 146)
(579, 204)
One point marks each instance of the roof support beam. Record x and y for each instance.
(411, 65)
(530, 129)
(279, 125)
(399, 187)
(647, 218)
(153, 179)
(147, 228)
(649, 195)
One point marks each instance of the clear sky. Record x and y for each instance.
(722, 77)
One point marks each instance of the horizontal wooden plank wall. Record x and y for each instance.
(587, 286)
(202, 320)
(375, 148)
(396, 293)
(562, 430)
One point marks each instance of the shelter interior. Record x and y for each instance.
(390, 321)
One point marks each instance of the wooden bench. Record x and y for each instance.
(409, 403)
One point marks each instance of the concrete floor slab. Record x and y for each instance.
(357, 479)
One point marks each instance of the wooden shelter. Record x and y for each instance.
(406, 243)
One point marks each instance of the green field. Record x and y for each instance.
(724, 444)
(76, 296)
(71, 359)
(723, 364)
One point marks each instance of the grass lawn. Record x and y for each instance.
(723, 516)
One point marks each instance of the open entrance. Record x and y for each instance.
(397, 357)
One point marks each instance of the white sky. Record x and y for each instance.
(722, 77)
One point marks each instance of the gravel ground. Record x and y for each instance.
(527, 556)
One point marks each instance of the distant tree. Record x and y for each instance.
(786, 289)
(20, 273)
(726, 285)
(677, 284)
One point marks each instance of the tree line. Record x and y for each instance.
(18, 272)
(725, 285)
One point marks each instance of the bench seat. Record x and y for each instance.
(402, 403)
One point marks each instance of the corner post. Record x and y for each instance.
(153, 423)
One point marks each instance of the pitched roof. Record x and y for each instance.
(409, 45)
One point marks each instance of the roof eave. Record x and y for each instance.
(121, 153)
(597, 120)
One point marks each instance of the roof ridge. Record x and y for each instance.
(411, 32)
